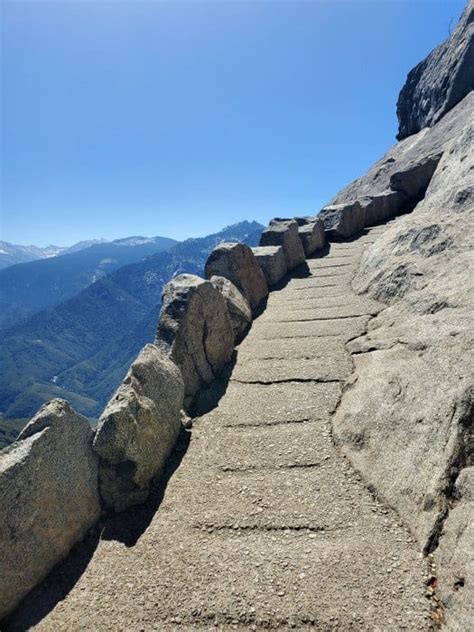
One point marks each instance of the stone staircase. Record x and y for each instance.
(264, 524)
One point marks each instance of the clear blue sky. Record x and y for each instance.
(177, 118)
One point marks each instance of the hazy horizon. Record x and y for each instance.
(105, 240)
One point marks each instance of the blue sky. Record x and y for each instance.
(178, 118)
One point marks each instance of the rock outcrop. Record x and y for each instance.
(454, 555)
(48, 498)
(312, 235)
(272, 261)
(239, 309)
(236, 262)
(411, 151)
(195, 329)
(440, 81)
(413, 180)
(405, 419)
(342, 221)
(382, 207)
(282, 232)
(138, 428)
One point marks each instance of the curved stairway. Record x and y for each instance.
(264, 524)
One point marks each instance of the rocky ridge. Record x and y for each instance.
(440, 81)
(405, 419)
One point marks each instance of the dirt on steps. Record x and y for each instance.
(264, 524)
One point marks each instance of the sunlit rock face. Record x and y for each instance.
(440, 81)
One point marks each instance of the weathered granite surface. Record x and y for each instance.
(239, 308)
(195, 329)
(440, 81)
(48, 498)
(405, 419)
(138, 428)
(272, 260)
(312, 235)
(342, 221)
(410, 151)
(236, 262)
(282, 232)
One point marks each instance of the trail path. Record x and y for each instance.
(264, 524)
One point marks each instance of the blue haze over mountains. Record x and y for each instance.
(80, 348)
(29, 287)
(11, 254)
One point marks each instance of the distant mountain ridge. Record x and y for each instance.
(81, 349)
(11, 254)
(27, 288)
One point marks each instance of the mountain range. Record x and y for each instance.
(81, 348)
(11, 254)
(29, 287)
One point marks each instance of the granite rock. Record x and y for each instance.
(236, 262)
(440, 81)
(138, 428)
(284, 233)
(342, 221)
(195, 329)
(48, 498)
(405, 419)
(312, 236)
(239, 308)
(272, 261)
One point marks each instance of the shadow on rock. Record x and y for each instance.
(209, 398)
(129, 525)
(300, 272)
(126, 527)
(42, 599)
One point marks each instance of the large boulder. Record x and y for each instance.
(236, 262)
(284, 233)
(138, 428)
(312, 236)
(384, 206)
(272, 261)
(48, 498)
(195, 330)
(413, 180)
(238, 306)
(440, 81)
(342, 221)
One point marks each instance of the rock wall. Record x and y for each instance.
(405, 419)
(440, 81)
(397, 182)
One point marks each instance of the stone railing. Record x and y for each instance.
(59, 475)
(406, 187)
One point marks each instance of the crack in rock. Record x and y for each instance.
(269, 468)
(300, 380)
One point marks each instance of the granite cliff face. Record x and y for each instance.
(440, 81)
(406, 416)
